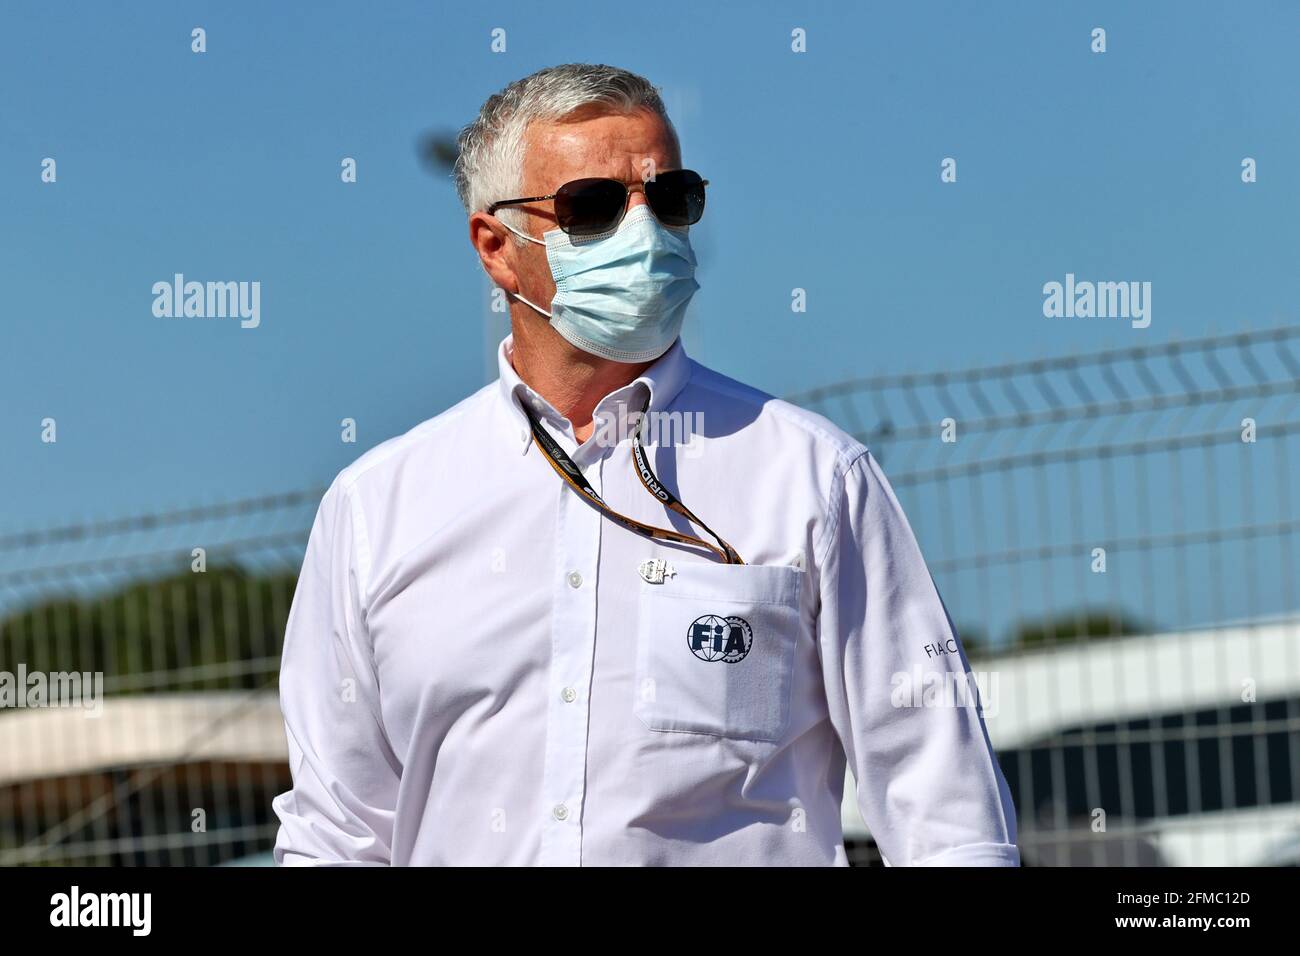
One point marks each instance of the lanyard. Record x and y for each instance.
(573, 476)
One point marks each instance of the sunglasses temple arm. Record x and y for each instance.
(491, 210)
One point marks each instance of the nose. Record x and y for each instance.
(636, 197)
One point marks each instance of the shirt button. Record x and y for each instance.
(568, 695)
(575, 579)
(560, 812)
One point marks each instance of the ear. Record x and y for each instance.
(495, 248)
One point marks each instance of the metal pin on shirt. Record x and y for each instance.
(654, 570)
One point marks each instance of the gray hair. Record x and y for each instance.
(490, 165)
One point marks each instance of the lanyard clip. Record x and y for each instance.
(654, 570)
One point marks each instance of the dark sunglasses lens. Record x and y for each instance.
(676, 197)
(586, 207)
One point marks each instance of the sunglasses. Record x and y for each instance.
(589, 207)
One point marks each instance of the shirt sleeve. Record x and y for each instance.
(345, 773)
(900, 692)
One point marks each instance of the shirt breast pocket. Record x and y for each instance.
(715, 650)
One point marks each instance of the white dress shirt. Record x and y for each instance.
(476, 671)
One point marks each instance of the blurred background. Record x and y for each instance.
(1112, 522)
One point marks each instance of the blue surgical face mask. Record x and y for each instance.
(621, 295)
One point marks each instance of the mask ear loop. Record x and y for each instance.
(520, 234)
(536, 308)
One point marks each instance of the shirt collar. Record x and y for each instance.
(664, 380)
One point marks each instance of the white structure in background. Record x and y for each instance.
(1045, 692)
(1041, 695)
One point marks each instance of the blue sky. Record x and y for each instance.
(825, 172)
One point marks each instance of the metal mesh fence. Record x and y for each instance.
(1113, 534)
(179, 764)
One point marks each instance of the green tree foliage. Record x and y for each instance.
(217, 630)
(1080, 625)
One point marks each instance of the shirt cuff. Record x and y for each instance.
(975, 854)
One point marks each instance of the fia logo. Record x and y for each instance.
(713, 638)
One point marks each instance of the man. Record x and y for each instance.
(516, 641)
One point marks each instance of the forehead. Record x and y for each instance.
(613, 145)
